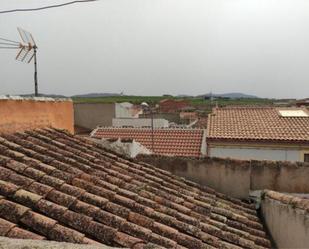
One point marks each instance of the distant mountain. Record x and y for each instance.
(184, 96)
(230, 95)
(44, 95)
(96, 95)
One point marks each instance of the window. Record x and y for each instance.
(306, 157)
(293, 113)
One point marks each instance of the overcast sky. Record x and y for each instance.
(154, 47)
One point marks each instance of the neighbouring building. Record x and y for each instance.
(302, 102)
(140, 122)
(262, 133)
(169, 141)
(91, 115)
(171, 105)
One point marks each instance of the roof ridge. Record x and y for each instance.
(295, 201)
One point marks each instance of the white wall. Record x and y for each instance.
(122, 111)
(248, 153)
(140, 122)
(126, 110)
(204, 146)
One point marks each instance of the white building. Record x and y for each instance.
(140, 122)
(91, 115)
(260, 133)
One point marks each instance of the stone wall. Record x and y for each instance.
(19, 114)
(237, 177)
(287, 219)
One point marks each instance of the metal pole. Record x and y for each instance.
(152, 132)
(36, 91)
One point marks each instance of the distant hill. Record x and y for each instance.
(96, 95)
(100, 95)
(44, 95)
(230, 95)
(184, 96)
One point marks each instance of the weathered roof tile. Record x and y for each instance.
(26, 198)
(61, 198)
(91, 196)
(19, 233)
(12, 211)
(5, 227)
(37, 222)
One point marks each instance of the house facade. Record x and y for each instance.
(260, 133)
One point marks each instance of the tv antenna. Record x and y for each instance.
(27, 51)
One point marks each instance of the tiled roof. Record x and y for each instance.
(58, 187)
(256, 124)
(170, 142)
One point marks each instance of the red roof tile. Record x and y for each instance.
(88, 196)
(256, 124)
(170, 142)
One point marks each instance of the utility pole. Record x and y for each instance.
(148, 108)
(152, 130)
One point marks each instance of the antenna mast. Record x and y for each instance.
(36, 88)
(28, 51)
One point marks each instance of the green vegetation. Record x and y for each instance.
(226, 102)
(119, 99)
(198, 102)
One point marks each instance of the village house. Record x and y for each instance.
(262, 133)
(302, 102)
(171, 105)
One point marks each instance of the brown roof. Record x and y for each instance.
(172, 105)
(58, 187)
(256, 124)
(170, 142)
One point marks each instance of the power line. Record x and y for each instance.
(46, 7)
(10, 44)
(9, 47)
(8, 40)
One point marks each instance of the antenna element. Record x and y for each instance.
(27, 52)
